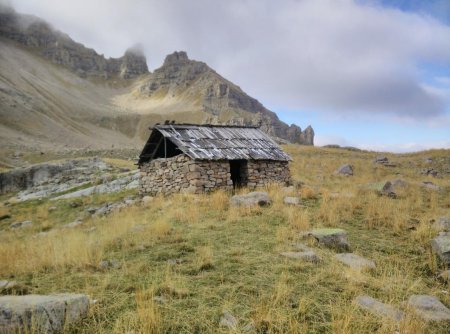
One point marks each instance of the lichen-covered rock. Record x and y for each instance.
(331, 237)
(251, 199)
(441, 245)
(429, 308)
(47, 314)
(355, 261)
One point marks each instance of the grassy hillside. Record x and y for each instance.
(200, 257)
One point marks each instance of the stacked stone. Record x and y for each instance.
(180, 173)
(263, 172)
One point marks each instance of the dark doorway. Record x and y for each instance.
(238, 171)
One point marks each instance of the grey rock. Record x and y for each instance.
(430, 185)
(379, 309)
(291, 200)
(429, 308)
(392, 188)
(249, 328)
(331, 237)
(441, 246)
(73, 224)
(49, 314)
(228, 320)
(381, 159)
(251, 199)
(109, 264)
(355, 261)
(91, 210)
(309, 256)
(160, 299)
(23, 224)
(442, 224)
(346, 170)
(429, 171)
(52, 208)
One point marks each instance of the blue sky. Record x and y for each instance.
(373, 74)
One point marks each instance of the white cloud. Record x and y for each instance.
(334, 55)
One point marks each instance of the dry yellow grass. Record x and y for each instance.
(204, 256)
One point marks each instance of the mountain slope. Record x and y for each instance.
(55, 93)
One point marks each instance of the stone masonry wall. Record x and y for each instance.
(263, 172)
(182, 174)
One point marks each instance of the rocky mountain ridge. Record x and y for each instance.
(58, 47)
(66, 96)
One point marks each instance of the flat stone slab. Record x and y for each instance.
(441, 245)
(331, 237)
(355, 261)
(378, 308)
(291, 200)
(429, 308)
(251, 199)
(308, 256)
(47, 314)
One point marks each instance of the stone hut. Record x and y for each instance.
(202, 158)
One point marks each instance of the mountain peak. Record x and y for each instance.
(178, 57)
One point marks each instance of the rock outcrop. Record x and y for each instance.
(223, 100)
(59, 48)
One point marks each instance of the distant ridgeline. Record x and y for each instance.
(181, 89)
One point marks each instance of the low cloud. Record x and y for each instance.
(347, 57)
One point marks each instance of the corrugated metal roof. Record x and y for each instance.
(212, 142)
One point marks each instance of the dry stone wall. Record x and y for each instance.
(182, 174)
(263, 172)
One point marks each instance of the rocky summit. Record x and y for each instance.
(68, 96)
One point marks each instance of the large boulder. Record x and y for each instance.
(441, 246)
(251, 199)
(47, 314)
(429, 308)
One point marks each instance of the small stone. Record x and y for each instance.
(381, 159)
(392, 188)
(291, 200)
(251, 199)
(52, 208)
(249, 328)
(160, 299)
(355, 261)
(109, 264)
(441, 245)
(309, 256)
(429, 308)
(228, 320)
(430, 185)
(331, 237)
(91, 210)
(378, 308)
(346, 170)
(16, 225)
(73, 224)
